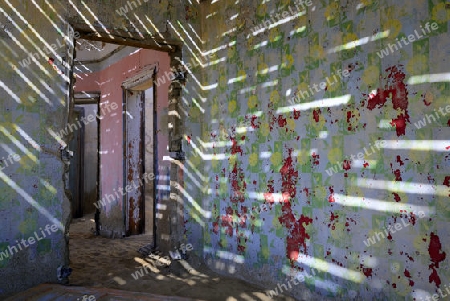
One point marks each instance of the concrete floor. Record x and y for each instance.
(102, 266)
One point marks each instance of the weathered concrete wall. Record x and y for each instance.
(34, 106)
(260, 149)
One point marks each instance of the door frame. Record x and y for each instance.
(139, 83)
(174, 48)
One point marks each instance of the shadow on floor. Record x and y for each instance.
(50, 292)
(99, 262)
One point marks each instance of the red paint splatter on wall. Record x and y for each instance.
(297, 232)
(436, 256)
(408, 275)
(409, 257)
(333, 217)
(240, 247)
(400, 124)
(447, 182)
(349, 122)
(332, 220)
(395, 88)
(378, 99)
(227, 221)
(398, 89)
(396, 197)
(296, 114)
(281, 121)
(271, 116)
(316, 115)
(242, 218)
(337, 262)
(289, 176)
(238, 185)
(215, 227)
(425, 102)
(235, 148)
(315, 158)
(399, 160)
(346, 164)
(398, 175)
(306, 190)
(331, 197)
(366, 271)
(253, 124)
(269, 195)
(389, 236)
(412, 218)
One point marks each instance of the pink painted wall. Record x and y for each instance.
(108, 82)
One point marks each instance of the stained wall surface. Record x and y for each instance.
(34, 110)
(343, 163)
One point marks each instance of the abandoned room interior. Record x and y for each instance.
(224, 150)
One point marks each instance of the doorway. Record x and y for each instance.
(88, 103)
(104, 65)
(76, 167)
(123, 77)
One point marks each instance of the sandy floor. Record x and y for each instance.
(109, 263)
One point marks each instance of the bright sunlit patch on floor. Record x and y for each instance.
(119, 280)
